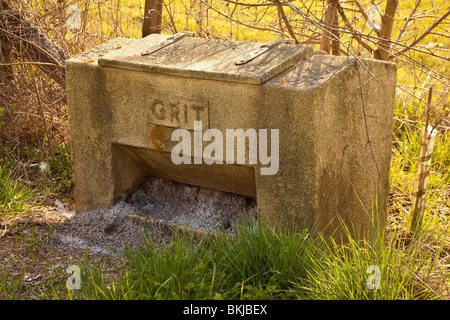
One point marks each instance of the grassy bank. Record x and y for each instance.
(258, 263)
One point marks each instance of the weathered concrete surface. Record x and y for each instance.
(334, 133)
(206, 59)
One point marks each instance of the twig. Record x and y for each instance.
(349, 26)
(241, 22)
(423, 35)
(286, 21)
(28, 63)
(375, 39)
(34, 45)
(317, 24)
(361, 10)
(29, 39)
(172, 22)
(426, 150)
(41, 113)
(365, 121)
(249, 4)
(402, 31)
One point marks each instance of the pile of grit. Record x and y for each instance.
(108, 231)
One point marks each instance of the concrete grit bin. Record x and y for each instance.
(318, 127)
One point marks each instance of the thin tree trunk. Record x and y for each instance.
(335, 44)
(152, 17)
(423, 171)
(387, 22)
(328, 34)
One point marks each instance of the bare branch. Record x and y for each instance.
(423, 35)
(361, 10)
(286, 21)
(27, 63)
(403, 30)
(27, 38)
(250, 4)
(352, 31)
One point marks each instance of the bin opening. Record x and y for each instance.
(193, 206)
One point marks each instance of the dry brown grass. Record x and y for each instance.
(34, 111)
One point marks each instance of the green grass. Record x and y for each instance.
(24, 184)
(255, 264)
(61, 169)
(15, 198)
(384, 269)
(260, 263)
(404, 164)
(10, 288)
